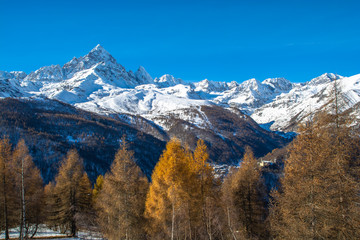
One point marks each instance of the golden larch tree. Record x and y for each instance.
(181, 202)
(72, 194)
(7, 192)
(168, 200)
(97, 187)
(204, 195)
(244, 200)
(120, 203)
(29, 190)
(319, 197)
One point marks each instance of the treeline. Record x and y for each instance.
(318, 196)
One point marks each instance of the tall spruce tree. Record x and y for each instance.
(120, 202)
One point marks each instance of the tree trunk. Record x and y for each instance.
(73, 213)
(207, 219)
(35, 231)
(173, 221)
(5, 209)
(229, 223)
(23, 210)
(250, 217)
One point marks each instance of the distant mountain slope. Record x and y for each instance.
(287, 110)
(51, 128)
(226, 131)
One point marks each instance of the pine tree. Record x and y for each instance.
(121, 201)
(320, 194)
(29, 189)
(72, 194)
(7, 191)
(244, 197)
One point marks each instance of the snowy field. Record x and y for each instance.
(46, 233)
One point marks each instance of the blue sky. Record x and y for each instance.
(193, 40)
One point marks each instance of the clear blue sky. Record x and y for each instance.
(193, 40)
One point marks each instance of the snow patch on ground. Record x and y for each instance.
(43, 232)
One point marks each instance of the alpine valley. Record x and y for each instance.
(92, 101)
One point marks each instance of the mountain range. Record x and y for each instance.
(227, 115)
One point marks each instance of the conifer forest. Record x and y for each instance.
(316, 195)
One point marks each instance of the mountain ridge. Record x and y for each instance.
(227, 116)
(97, 82)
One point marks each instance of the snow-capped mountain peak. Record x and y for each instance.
(99, 48)
(143, 77)
(281, 84)
(96, 56)
(212, 86)
(99, 54)
(251, 83)
(47, 73)
(18, 75)
(289, 109)
(324, 78)
(168, 80)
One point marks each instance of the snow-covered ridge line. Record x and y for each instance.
(98, 83)
(306, 99)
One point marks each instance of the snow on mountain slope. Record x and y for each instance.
(142, 76)
(19, 75)
(214, 87)
(350, 87)
(146, 100)
(99, 61)
(10, 84)
(167, 81)
(48, 73)
(289, 109)
(98, 83)
(252, 94)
